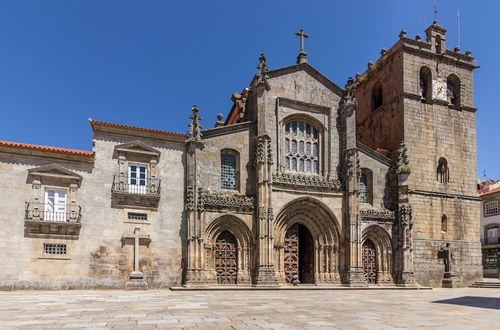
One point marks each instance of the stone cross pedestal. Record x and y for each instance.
(136, 279)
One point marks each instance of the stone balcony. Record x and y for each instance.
(40, 221)
(129, 192)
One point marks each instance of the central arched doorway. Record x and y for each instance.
(369, 257)
(299, 254)
(226, 258)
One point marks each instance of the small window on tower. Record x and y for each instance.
(443, 172)
(425, 84)
(453, 91)
(444, 223)
(377, 100)
(438, 44)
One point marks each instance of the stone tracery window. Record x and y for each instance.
(301, 147)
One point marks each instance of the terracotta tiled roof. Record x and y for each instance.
(45, 148)
(488, 188)
(96, 123)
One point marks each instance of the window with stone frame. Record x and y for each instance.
(492, 233)
(229, 174)
(444, 223)
(377, 97)
(491, 208)
(301, 147)
(453, 91)
(366, 186)
(443, 172)
(425, 84)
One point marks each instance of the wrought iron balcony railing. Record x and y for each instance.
(135, 186)
(492, 240)
(42, 212)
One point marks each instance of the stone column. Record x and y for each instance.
(266, 273)
(195, 275)
(353, 271)
(404, 225)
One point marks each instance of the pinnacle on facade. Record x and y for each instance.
(194, 132)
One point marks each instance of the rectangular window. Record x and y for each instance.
(55, 205)
(137, 179)
(228, 171)
(363, 188)
(54, 248)
(491, 208)
(137, 216)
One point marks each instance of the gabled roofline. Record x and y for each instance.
(370, 152)
(135, 130)
(312, 71)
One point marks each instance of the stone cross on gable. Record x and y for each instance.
(302, 58)
(136, 278)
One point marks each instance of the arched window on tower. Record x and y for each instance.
(444, 223)
(453, 91)
(301, 145)
(425, 84)
(229, 169)
(377, 99)
(438, 44)
(443, 173)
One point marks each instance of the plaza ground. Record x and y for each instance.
(466, 308)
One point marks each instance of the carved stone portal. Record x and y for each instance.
(226, 258)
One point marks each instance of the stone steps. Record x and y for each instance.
(486, 284)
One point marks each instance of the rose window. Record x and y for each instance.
(301, 147)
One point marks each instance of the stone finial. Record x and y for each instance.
(402, 34)
(383, 51)
(357, 76)
(468, 52)
(219, 121)
(369, 65)
(418, 37)
(194, 132)
(456, 49)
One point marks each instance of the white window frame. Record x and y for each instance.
(491, 208)
(56, 209)
(137, 187)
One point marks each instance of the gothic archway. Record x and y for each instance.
(320, 236)
(226, 258)
(377, 255)
(228, 247)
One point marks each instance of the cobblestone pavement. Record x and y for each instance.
(466, 308)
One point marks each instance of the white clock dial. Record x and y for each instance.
(439, 90)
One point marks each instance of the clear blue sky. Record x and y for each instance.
(146, 63)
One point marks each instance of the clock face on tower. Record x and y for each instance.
(439, 90)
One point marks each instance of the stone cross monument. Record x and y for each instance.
(136, 278)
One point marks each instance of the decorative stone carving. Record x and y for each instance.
(349, 98)
(377, 214)
(405, 214)
(194, 132)
(262, 76)
(403, 161)
(304, 180)
(264, 150)
(240, 100)
(224, 200)
(190, 198)
(352, 162)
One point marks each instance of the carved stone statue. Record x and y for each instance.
(446, 254)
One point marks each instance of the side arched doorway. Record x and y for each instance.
(369, 258)
(226, 258)
(299, 254)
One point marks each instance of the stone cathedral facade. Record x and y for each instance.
(373, 184)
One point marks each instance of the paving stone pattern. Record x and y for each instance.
(467, 308)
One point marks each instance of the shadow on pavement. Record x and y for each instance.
(471, 301)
